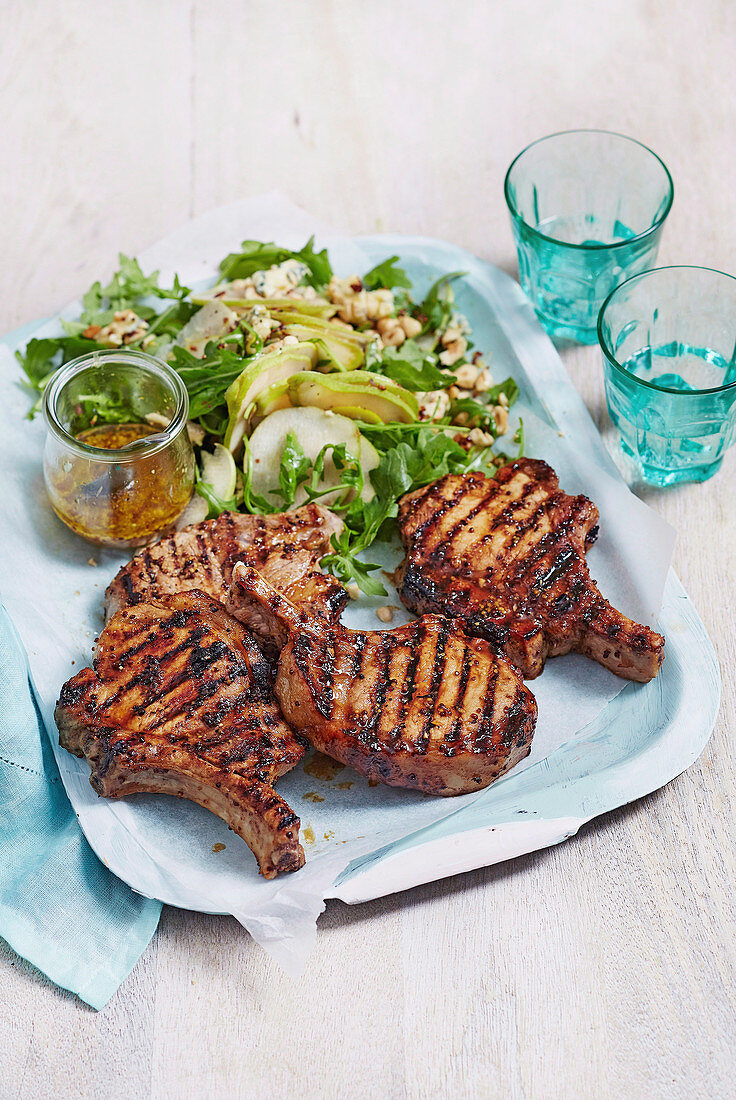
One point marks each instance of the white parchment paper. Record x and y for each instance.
(53, 583)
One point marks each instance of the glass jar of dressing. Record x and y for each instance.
(118, 463)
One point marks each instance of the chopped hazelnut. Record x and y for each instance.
(484, 381)
(466, 376)
(501, 418)
(410, 325)
(480, 438)
(453, 351)
(395, 338)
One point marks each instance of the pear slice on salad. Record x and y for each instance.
(330, 326)
(270, 401)
(359, 395)
(262, 372)
(219, 471)
(213, 321)
(302, 306)
(341, 350)
(196, 510)
(313, 429)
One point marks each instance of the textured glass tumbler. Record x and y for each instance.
(587, 209)
(668, 338)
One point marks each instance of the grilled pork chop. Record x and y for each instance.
(286, 548)
(506, 555)
(422, 706)
(180, 701)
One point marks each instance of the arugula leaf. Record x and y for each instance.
(348, 466)
(480, 413)
(413, 368)
(438, 303)
(294, 469)
(127, 285)
(408, 464)
(217, 504)
(206, 380)
(42, 358)
(520, 438)
(260, 255)
(508, 387)
(386, 274)
(126, 290)
(343, 564)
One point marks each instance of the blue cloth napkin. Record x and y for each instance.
(60, 907)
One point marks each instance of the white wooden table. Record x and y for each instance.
(602, 968)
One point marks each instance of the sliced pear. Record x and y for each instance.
(219, 471)
(213, 321)
(289, 317)
(264, 371)
(314, 429)
(356, 394)
(338, 351)
(310, 307)
(270, 401)
(196, 510)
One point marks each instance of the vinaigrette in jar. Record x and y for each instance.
(121, 483)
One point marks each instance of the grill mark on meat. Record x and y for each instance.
(437, 668)
(124, 654)
(519, 530)
(424, 529)
(201, 556)
(450, 745)
(379, 673)
(310, 656)
(407, 687)
(449, 536)
(486, 724)
(563, 562)
(155, 669)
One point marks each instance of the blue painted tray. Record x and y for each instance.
(644, 737)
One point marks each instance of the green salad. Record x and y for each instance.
(304, 386)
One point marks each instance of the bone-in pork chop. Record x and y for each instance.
(421, 706)
(506, 555)
(285, 547)
(180, 701)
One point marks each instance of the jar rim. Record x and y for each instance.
(148, 445)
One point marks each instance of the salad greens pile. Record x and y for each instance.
(370, 349)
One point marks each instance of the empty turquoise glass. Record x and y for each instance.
(587, 210)
(668, 338)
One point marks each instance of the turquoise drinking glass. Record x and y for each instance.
(668, 338)
(587, 210)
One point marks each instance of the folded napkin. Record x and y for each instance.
(60, 907)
